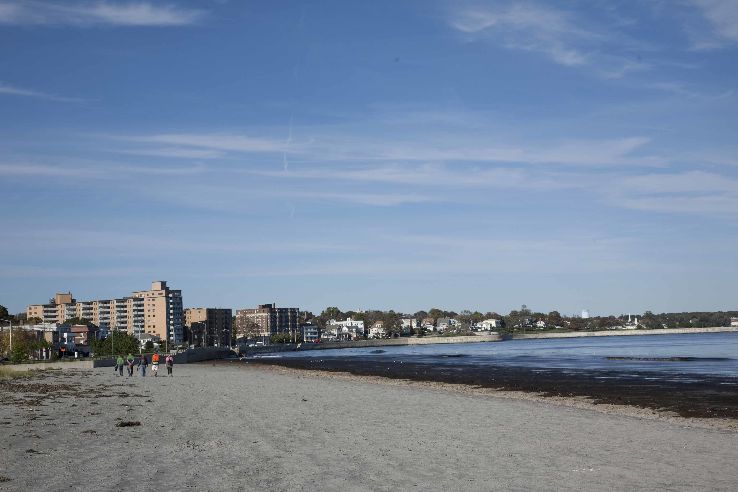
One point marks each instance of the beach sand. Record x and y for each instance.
(236, 426)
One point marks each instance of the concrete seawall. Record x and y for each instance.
(616, 333)
(290, 347)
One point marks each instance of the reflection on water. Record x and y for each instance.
(680, 357)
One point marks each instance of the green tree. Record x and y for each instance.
(391, 324)
(76, 321)
(554, 319)
(117, 342)
(4, 313)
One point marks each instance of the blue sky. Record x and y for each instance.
(406, 155)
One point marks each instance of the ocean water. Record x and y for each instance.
(683, 357)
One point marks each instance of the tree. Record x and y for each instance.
(554, 318)
(391, 324)
(122, 343)
(4, 313)
(76, 321)
(35, 320)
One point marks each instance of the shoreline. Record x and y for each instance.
(577, 402)
(713, 398)
(486, 338)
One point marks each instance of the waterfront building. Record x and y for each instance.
(310, 333)
(209, 327)
(489, 324)
(157, 311)
(377, 330)
(269, 320)
(345, 330)
(733, 321)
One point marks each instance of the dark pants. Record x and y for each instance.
(130, 370)
(169, 370)
(143, 371)
(120, 369)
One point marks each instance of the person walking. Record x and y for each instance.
(119, 365)
(143, 363)
(130, 360)
(170, 363)
(155, 364)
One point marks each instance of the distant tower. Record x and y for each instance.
(585, 314)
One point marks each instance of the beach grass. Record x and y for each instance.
(6, 373)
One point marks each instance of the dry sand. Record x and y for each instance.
(228, 426)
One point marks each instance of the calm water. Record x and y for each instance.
(700, 354)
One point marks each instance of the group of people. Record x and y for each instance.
(143, 363)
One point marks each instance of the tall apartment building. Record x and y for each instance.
(157, 311)
(210, 326)
(270, 319)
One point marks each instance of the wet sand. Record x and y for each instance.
(712, 397)
(235, 426)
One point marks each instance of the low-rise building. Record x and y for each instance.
(310, 333)
(733, 321)
(489, 324)
(377, 330)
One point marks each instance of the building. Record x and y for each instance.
(350, 329)
(157, 311)
(489, 324)
(733, 321)
(209, 327)
(377, 330)
(269, 320)
(310, 333)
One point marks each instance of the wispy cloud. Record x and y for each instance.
(426, 148)
(433, 175)
(690, 192)
(100, 171)
(722, 15)
(17, 91)
(529, 27)
(565, 37)
(94, 13)
(218, 142)
(175, 152)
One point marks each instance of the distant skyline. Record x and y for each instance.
(377, 155)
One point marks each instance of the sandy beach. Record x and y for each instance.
(235, 426)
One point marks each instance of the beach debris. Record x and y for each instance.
(304, 399)
(128, 423)
(89, 431)
(3, 478)
(32, 451)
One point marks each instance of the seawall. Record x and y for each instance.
(616, 333)
(290, 347)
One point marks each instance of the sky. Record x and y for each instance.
(372, 155)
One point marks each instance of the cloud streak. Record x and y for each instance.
(17, 91)
(96, 13)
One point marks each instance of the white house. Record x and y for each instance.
(489, 324)
(345, 330)
(733, 321)
(377, 330)
(540, 324)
